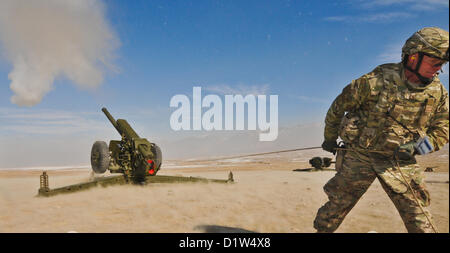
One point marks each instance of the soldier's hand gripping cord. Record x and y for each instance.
(406, 151)
(421, 147)
(330, 146)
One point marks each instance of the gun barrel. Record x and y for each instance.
(111, 118)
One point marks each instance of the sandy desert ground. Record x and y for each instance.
(268, 196)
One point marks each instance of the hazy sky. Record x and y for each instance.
(303, 51)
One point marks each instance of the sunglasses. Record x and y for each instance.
(435, 61)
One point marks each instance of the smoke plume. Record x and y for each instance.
(49, 39)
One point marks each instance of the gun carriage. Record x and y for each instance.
(133, 156)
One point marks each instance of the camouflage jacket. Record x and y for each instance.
(359, 115)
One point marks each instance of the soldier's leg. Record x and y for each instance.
(392, 181)
(351, 181)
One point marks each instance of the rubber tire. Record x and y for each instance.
(102, 148)
(157, 151)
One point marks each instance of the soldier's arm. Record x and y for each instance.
(438, 128)
(352, 96)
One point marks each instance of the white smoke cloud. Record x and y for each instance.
(48, 39)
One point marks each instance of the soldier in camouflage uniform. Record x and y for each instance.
(380, 117)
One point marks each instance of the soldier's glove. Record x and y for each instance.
(330, 146)
(406, 151)
(422, 146)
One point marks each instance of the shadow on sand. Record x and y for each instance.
(313, 170)
(221, 229)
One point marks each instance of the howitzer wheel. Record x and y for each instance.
(100, 157)
(157, 151)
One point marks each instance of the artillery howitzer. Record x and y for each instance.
(137, 159)
(319, 163)
(133, 156)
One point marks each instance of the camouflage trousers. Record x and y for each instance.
(355, 173)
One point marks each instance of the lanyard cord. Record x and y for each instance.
(414, 195)
(397, 166)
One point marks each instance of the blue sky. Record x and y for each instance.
(303, 51)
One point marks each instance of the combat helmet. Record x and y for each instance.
(429, 40)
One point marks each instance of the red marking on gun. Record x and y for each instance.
(152, 164)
